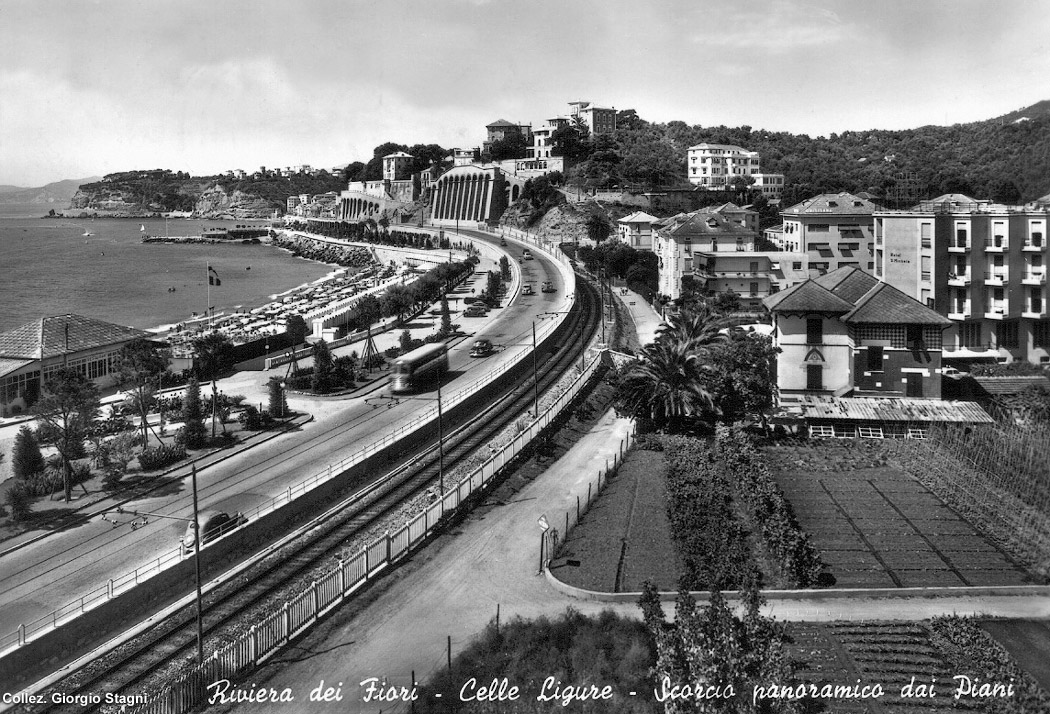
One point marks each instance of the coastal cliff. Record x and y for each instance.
(137, 194)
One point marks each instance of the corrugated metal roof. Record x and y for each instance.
(1012, 384)
(890, 409)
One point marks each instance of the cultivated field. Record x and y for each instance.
(877, 526)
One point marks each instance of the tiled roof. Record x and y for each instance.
(1012, 384)
(638, 217)
(7, 366)
(806, 297)
(848, 282)
(706, 221)
(500, 122)
(890, 409)
(46, 337)
(886, 304)
(840, 204)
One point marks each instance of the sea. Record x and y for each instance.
(48, 266)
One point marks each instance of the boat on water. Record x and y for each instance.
(88, 233)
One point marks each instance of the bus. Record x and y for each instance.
(415, 368)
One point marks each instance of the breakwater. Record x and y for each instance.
(349, 256)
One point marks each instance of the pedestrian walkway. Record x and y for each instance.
(647, 321)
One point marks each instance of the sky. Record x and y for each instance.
(94, 87)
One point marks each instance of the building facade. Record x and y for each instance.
(836, 230)
(468, 194)
(980, 264)
(846, 333)
(636, 230)
(32, 353)
(599, 120)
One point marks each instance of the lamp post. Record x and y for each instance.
(441, 448)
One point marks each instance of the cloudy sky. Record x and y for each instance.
(204, 86)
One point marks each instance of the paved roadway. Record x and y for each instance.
(37, 578)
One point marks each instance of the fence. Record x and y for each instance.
(296, 615)
(116, 586)
(573, 516)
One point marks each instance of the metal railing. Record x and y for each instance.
(117, 586)
(297, 614)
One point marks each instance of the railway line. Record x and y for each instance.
(129, 668)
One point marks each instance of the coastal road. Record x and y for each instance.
(40, 577)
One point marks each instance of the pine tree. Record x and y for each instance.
(278, 405)
(194, 431)
(323, 368)
(446, 317)
(26, 459)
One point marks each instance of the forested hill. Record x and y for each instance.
(161, 190)
(1006, 159)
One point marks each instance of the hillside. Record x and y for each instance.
(57, 192)
(142, 193)
(1000, 158)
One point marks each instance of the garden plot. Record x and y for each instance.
(877, 526)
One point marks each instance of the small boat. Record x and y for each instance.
(88, 233)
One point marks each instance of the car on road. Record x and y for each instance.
(954, 373)
(214, 524)
(548, 287)
(503, 241)
(475, 311)
(481, 348)
(527, 290)
(526, 255)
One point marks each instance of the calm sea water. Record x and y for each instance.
(49, 267)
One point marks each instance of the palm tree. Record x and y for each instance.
(697, 328)
(667, 386)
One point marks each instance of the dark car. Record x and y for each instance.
(481, 348)
(527, 290)
(475, 311)
(548, 287)
(503, 241)
(214, 524)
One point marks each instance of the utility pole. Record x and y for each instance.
(197, 542)
(535, 372)
(441, 448)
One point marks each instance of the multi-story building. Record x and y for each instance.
(678, 241)
(834, 229)
(770, 185)
(599, 120)
(846, 333)
(982, 265)
(541, 138)
(752, 275)
(636, 230)
(501, 130)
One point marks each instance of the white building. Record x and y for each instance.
(636, 230)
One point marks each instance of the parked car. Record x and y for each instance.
(478, 303)
(548, 287)
(481, 348)
(527, 290)
(475, 311)
(954, 373)
(214, 524)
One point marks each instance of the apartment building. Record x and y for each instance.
(752, 275)
(680, 241)
(980, 264)
(835, 230)
(846, 333)
(599, 120)
(636, 230)
(714, 166)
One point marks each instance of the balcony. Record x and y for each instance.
(1034, 277)
(959, 310)
(995, 245)
(959, 280)
(997, 309)
(996, 277)
(1032, 246)
(958, 247)
(1034, 309)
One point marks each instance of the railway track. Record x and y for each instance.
(128, 668)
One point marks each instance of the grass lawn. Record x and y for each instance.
(624, 538)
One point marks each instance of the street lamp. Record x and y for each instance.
(197, 542)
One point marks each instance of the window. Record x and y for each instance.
(870, 432)
(1041, 334)
(814, 330)
(814, 376)
(913, 337)
(1037, 239)
(753, 289)
(753, 266)
(960, 238)
(819, 228)
(1007, 334)
(874, 358)
(822, 430)
(913, 385)
(970, 334)
(927, 270)
(796, 265)
(926, 234)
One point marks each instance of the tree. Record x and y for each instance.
(367, 311)
(322, 380)
(711, 645)
(598, 228)
(513, 146)
(569, 143)
(397, 300)
(446, 318)
(215, 353)
(296, 328)
(26, 459)
(405, 341)
(140, 365)
(504, 269)
(193, 430)
(278, 405)
(68, 406)
(726, 302)
(667, 386)
(743, 376)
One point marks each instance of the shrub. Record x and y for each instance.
(19, 500)
(26, 458)
(250, 418)
(158, 457)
